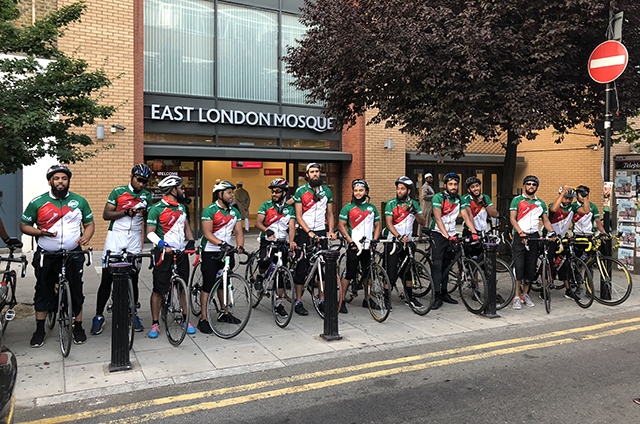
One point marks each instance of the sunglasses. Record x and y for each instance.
(531, 184)
(276, 191)
(184, 188)
(142, 180)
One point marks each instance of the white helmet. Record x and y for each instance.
(169, 183)
(222, 186)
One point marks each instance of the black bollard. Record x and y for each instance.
(605, 283)
(120, 317)
(331, 297)
(490, 252)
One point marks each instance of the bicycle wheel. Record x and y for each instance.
(421, 286)
(65, 318)
(581, 282)
(546, 282)
(472, 285)
(422, 257)
(377, 306)
(173, 314)
(9, 301)
(283, 297)
(132, 314)
(50, 321)
(452, 281)
(228, 318)
(251, 275)
(612, 282)
(195, 289)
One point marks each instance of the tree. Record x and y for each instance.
(43, 101)
(451, 71)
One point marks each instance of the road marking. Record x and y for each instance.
(344, 380)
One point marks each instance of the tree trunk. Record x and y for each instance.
(508, 174)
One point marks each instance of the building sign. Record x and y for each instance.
(273, 171)
(239, 117)
(629, 162)
(246, 165)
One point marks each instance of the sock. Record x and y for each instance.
(156, 322)
(77, 324)
(40, 326)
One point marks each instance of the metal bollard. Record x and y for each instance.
(120, 317)
(490, 253)
(330, 297)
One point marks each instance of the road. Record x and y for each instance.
(575, 371)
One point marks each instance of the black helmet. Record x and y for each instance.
(531, 178)
(406, 181)
(471, 181)
(58, 168)
(141, 170)
(451, 176)
(583, 190)
(280, 183)
(360, 182)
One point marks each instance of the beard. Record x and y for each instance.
(403, 198)
(60, 194)
(315, 183)
(359, 201)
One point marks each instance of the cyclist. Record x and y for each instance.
(64, 222)
(400, 213)
(358, 219)
(169, 229)
(126, 209)
(219, 221)
(313, 203)
(9, 241)
(446, 208)
(525, 213)
(276, 220)
(479, 207)
(585, 223)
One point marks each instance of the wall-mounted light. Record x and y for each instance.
(593, 146)
(100, 132)
(388, 143)
(116, 127)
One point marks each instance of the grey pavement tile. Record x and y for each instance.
(39, 380)
(227, 354)
(171, 361)
(290, 345)
(92, 376)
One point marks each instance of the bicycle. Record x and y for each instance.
(277, 283)
(544, 276)
(62, 290)
(612, 282)
(578, 274)
(175, 307)
(8, 287)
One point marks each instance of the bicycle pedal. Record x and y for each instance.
(10, 315)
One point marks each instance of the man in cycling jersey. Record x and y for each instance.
(169, 231)
(313, 203)
(219, 221)
(446, 208)
(126, 209)
(276, 221)
(63, 221)
(358, 220)
(479, 207)
(525, 213)
(585, 223)
(400, 213)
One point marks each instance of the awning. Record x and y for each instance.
(413, 156)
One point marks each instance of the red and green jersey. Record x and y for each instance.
(478, 211)
(169, 218)
(528, 212)
(360, 219)
(585, 224)
(124, 198)
(401, 218)
(562, 218)
(224, 221)
(64, 218)
(276, 218)
(314, 205)
(450, 207)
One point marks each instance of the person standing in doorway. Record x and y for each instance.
(426, 196)
(243, 200)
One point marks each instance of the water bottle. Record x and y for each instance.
(557, 263)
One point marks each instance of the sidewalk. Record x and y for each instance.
(44, 377)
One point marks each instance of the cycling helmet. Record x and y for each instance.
(58, 168)
(471, 181)
(169, 183)
(360, 182)
(570, 194)
(222, 186)
(583, 190)
(312, 165)
(406, 181)
(141, 170)
(531, 178)
(280, 183)
(451, 176)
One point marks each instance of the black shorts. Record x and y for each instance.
(162, 272)
(524, 261)
(212, 262)
(44, 298)
(364, 259)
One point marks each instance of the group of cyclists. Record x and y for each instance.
(62, 220)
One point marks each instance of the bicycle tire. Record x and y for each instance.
(546, 282)
(452, 280)
(379, 280)
(50, 321)
(9, 301)
(251, 275)
(613, 275)
(173, 311)
(422, 257)
(238, 307)
(132, 314)
(195, 290)
(65, 318)
(472, 286)
(421, 286)
(581, 282)
(283, 280)
(505, 283)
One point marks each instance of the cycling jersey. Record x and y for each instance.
(450, 207)
(314, 205)
(359, 219)
(125, 232)
(276, 218)
(64, 218)
(585, 224)
(224, 221)
(169, 217)
(528, 213)
(562, 218)
(478, 211)
(401, 218)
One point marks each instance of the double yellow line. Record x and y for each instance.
(487, 350)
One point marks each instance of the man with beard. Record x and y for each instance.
(314, 206)
(243, 201)
(169, 230)
(426, 198)
(526, 210)
(219, 221)
(64, 221)
(126, 209)
(479, 207)
(358, 220)
(400, 213)
(446, 208)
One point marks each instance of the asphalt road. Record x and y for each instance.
(572, 372)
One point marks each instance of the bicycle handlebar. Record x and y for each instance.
(125, 256)
(66, 253)
(22, 260)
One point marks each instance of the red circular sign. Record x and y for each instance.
(608, 61)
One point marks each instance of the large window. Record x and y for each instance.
(291, 30)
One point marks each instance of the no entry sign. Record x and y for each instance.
(608, 61)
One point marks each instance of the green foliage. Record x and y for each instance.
(42, 101)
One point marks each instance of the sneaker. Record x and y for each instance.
(190, 328)
(154, 332)
(280, 311)
(415, 302)
(527, 301)
(37, 339)
(137, 325)
(79, 336)
(343, 309)
(446, 298)
(98, 323)
(228, 318)
(571, 295)
(204, 327)
(321, 306)
(517, 303)
(365, 303)
(300, 310)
